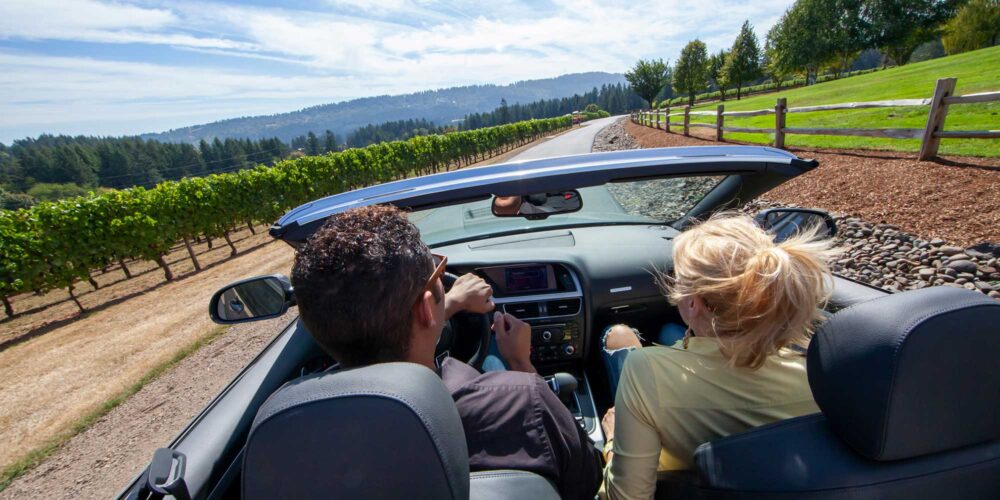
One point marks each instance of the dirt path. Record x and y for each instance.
(100, 461)
(51, 381)
(955, 198)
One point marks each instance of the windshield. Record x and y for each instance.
(649, 201)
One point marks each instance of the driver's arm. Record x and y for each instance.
(469, 293)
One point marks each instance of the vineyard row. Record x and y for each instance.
(53, 245)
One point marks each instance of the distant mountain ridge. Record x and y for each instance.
(440, 106)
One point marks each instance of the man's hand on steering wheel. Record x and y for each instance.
(470, 293)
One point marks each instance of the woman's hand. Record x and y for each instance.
(608, 424)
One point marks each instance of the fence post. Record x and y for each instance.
(687, 120)
(935, 118)
(666, 119)
(718, 122)
(657, 118)
(779, 123)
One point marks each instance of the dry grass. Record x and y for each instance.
(54, 380)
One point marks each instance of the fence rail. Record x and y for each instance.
(930, 135)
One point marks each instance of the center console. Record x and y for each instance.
(549, 298)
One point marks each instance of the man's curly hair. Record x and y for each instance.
(355, 281)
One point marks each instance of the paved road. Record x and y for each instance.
(576, 142)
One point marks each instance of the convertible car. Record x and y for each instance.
(907, 383)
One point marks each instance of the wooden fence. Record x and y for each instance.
(930, 135)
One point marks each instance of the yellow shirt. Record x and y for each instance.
(671, 399)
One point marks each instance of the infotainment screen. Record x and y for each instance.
(526, 279)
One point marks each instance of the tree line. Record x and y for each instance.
(615, 99)
(52, 167)
(821, 35)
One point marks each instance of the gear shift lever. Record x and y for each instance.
(563, 384)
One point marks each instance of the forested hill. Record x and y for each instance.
(438, 106)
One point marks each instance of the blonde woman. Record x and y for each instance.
(749, 305)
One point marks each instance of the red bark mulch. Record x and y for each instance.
(953, 198)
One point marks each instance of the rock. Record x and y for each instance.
(969, 286)
(995, 294)
(987, 248)
(949, 271)
(957, 256)
(987, 269)
(961, 281)
(968, 276)
(936, 242)
(983, 286)
(926, 273)
(962, 266)
(946, 278)
(950, 250)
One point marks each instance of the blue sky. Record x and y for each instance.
(127, 67)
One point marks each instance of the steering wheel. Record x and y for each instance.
(466, 336)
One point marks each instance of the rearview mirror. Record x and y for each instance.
(787, 222)
(252, 299)
(538, 205)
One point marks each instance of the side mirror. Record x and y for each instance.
(252, 299)
(538, 205)
(786, 222)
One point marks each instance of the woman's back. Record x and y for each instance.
(694, 395)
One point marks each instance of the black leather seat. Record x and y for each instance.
(384, 431)
(909, 387)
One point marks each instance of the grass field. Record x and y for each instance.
(977, 71)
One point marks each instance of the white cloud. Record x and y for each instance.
(341, 49)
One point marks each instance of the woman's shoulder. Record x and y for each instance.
(659, 360)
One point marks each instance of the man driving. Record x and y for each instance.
(369, 291)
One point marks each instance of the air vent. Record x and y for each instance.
(522, 310)
(564, 307)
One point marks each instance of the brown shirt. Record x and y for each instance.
(513, 420)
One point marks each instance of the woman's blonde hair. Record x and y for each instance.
(762, 296)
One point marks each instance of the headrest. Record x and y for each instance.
(383, 431)
(911, 373)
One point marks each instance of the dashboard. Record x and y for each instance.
(567, 283)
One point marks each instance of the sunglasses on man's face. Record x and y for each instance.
(440, 262)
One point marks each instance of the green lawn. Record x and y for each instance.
(977, 71)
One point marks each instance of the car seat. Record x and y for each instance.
(909, 388)
(389, 430)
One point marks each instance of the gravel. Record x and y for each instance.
(660, 199)
(878, 254)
